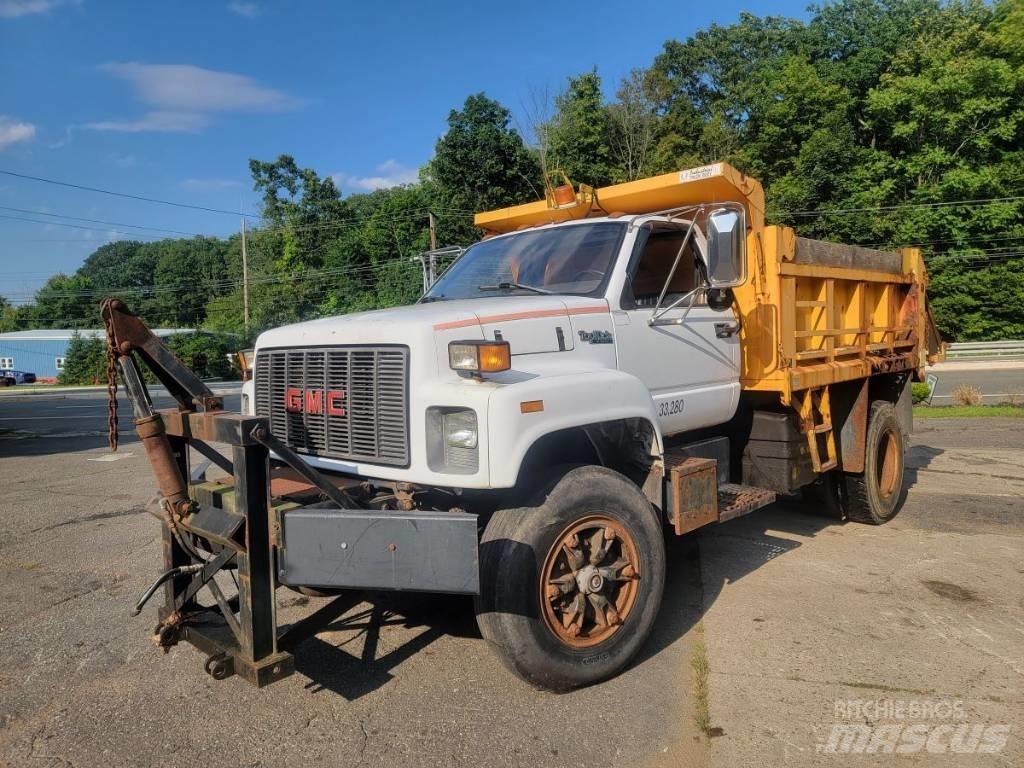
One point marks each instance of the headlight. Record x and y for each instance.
(479, 356)
(460, 429)
(452, 440)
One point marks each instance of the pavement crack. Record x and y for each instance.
(34, 754)
(90, 519)
(364, 742)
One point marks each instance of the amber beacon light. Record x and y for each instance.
(475, 357)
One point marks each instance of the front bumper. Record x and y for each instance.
(326, 547)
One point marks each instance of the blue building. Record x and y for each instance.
(42, 351)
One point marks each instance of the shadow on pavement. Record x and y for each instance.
(333, 667)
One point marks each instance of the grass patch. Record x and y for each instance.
(701, 668)
(967, 411)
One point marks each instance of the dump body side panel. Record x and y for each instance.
(816, 313)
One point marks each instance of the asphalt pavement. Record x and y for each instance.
(80, 415)
(791, 614)
(999, 381)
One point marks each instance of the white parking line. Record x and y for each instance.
(113, 456)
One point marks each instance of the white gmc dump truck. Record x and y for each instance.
(606, 367)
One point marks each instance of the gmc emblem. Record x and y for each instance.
(331, 402)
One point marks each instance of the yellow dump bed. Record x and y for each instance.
(813, 313)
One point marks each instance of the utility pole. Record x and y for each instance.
(245, 282)
(433, 247)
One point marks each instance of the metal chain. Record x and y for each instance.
(112, 356)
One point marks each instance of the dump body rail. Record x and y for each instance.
(815, 313)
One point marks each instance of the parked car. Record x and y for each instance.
(17, 377)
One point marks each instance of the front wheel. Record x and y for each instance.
(570, 588)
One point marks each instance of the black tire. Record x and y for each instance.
(874, 496)
(823, 496)
(513, 556)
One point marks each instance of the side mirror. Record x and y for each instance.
(727, 248)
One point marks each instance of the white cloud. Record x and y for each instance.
(12, 131)
(185, 88)
(157, 122)
(11, 9)
(200, 185)
(184, 97)
(249, 10)
(390, 173)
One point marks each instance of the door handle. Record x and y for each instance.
(725, 330)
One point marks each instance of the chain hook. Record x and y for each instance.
(106, 312)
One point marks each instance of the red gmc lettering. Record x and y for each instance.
(314, 401)
(336, 402)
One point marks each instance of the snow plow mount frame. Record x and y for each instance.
(239, 634)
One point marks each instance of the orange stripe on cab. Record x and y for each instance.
(520, 316)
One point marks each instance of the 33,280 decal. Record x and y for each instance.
(670, 407)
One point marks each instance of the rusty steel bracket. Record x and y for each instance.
(129, 334)
(262, 435)
(239, 633)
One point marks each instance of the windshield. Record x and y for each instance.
(572, 259)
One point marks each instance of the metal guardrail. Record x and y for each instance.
(983, 350)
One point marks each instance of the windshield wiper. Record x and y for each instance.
(428, 299)
(510, 286)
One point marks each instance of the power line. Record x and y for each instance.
(356, 221)
(903, 206)
(142, 198)
(69, 226)
(215, 285)
(97, 221)
(962, 240)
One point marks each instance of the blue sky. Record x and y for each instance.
(170, 100)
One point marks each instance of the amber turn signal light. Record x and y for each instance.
(479, 356)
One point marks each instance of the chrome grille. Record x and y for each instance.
(374, 426)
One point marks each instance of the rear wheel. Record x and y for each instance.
(872, 496)
(570, 588)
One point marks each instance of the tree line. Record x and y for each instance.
(870, 123)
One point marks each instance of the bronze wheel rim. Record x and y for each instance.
(888, 465)
(589, 581)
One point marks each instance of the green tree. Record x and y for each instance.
(580, 133)
(480, 163)
(632, 120)
(66, 302)
(85, 361)
(206, 354)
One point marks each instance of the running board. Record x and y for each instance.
(694, 497)
(736, 500)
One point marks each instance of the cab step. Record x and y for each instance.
(735, 500)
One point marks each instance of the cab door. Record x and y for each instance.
(689, 359)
